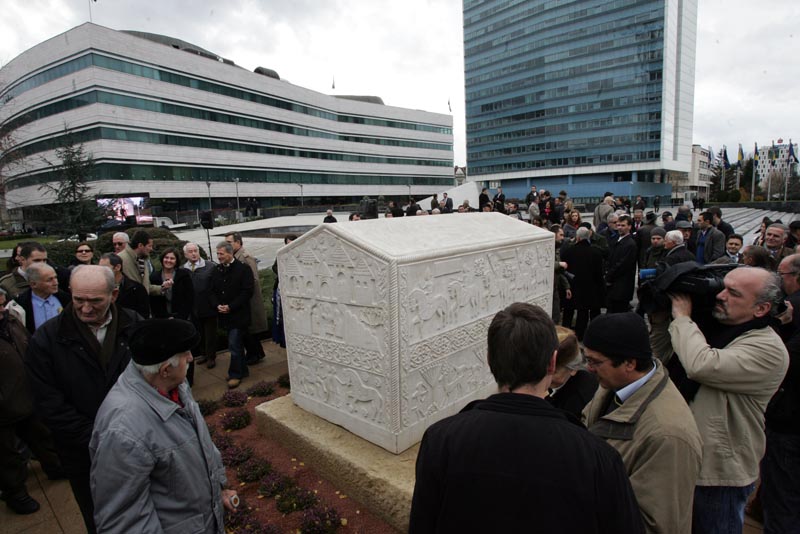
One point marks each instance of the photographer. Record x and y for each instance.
(737, 367)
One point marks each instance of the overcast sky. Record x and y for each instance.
(410, 52)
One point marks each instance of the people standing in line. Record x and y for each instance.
(154, 466)
(19, 420)
(254, 352)
(43, 300)
(278, 332)
(502, 463)
(621, 273)
(734, 370)
(232, 287)
(204, 314)
(639, 412)
(130, 294)
(72, 362)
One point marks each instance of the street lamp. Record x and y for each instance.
(236, 181)
(301, 195)
(208, 184)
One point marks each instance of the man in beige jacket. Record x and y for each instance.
(737, 365)
(639, 412)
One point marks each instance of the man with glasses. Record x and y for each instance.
(780, 492)
(119, 241)
(640, 412)
(736, 367)
(73, 361)
(513, 462)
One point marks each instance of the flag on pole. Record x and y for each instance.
(755, 154)
(725, 162)
(712, 157)
(792, 158)
(773, 153)
(740, 157)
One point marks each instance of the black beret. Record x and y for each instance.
(157, 340)
(619, 335)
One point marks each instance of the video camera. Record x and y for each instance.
(701, 282)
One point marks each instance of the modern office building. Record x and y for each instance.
(168, 120)
(587, 96)
(774, 166)
(696, 183)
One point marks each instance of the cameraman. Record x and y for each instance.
(738, 367)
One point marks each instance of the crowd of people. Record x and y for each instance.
(645, 420)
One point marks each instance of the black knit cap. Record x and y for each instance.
(619, 335)
(157, 340)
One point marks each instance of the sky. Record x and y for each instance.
(410, 52)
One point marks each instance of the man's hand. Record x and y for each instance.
(226, 499)
(681, 305)
(786, 316)
(569, 294)
(223, 308)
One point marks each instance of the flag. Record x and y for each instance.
(773, 153)
(712, 158)
(740, 157)
(725, 162)
(792, 158)
(755, 154)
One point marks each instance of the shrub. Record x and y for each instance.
(253, 470)
(295, 499)
(262, 389)
(734, 196)
(222, 441)
(207, 406)
(283, 381)
(235, 455)
(235, 419)
(275, 484)
(232, 399)
(320, 520)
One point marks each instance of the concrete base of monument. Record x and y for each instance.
(382, 481)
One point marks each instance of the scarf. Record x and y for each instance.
(101, 353)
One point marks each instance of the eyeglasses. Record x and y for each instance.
(83, 251)
(591, 362)
(118, 244)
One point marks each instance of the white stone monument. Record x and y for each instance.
(386, 319)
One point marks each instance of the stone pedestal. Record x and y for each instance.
(386, 319)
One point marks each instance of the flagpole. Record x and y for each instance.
(753, 185)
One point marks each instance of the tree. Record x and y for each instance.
(76, 210)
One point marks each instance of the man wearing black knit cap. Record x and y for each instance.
(640, 412)
(154, 467)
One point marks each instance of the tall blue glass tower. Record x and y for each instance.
(587, 96)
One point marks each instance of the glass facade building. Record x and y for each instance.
(587, 96)
(168, 119)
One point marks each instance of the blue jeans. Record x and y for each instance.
(780, 483)
(238, 365)
(719, 509)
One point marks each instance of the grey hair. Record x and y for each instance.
(582, 233)
(612, 215)
(190, 244)
(771, 292)
(227, 246)
(122, 235)
(674, 236)
(781, 226)
(173, 361)
(105, 272)
(37, 271)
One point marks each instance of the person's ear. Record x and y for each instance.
(551, 366)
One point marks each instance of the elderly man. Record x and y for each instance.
(329, 218)
(602, 211)
(154, 467)
(72, 362)
(710, 245)
(204, 314)
(18, 420)
(130, 294)
(639, 412)
(43, 300)
(254, 352)
(119, 241)
(16, 282)
(512, 462)
(737, 368)
(231, 288)
(775, 241)
(676, 251)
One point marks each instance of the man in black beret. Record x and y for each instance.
(640, 412)
(154, 466)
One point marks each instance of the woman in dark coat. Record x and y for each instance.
(177, 292)
(573, 386)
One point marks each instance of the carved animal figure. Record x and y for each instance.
(361, 399)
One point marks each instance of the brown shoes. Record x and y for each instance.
(233, 383)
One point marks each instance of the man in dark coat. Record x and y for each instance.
(204, 316)
(676, 248)
(130, 294)
(493, 467)
(642, 237)
(18, 421)
(44, 292)
(710, 241)
(231, 288)
(621, 274)
(72, 362)
(719, 224)
(585, 263)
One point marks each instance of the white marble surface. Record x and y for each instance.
(386, 319)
